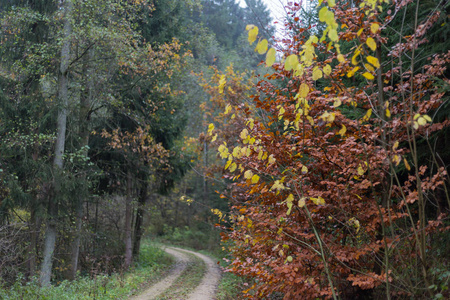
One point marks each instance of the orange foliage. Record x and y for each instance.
(325, 215)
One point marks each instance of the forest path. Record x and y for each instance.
(204, 291)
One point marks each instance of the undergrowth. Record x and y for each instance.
(153, 262)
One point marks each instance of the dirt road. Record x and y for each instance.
(204, 291)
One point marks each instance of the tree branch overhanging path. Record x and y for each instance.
(204, 291)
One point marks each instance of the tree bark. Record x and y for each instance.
(35, 225)
(128, 216)
(143, 195)
(85, 106)
(63, 95)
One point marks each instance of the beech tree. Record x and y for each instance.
(330, 198)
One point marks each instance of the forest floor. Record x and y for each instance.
(194, 277)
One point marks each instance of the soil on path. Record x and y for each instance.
(204, 291)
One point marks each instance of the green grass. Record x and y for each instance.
(187, 282)
(152, 265)
(230, 287)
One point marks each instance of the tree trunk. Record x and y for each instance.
(128, 216)
(85, 106)
(63, 94)
(139, 219)
(35, 226)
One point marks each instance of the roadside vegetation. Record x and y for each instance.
(153, 263)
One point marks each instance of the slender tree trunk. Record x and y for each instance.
(85, 106)
(63, 93)
(128, 216)
(35, 225)
(139, 219)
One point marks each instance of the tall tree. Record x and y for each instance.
(58, 163)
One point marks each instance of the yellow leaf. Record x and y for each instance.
(304, 90)
(368, 76)
(329, 18)
(248, 174)
(374, 27)
(244, 133)
(337, 102)
(264, 157)
(421, 121)
(222, 82)
(341, 58)
(371, 43)
(332, 34)
(355, 56)
(327, 69)
(233, 167)
(252, 34)
(210, 128)
(301, 202)
(395, 146)
(369, 67)
(228, 164)
(416, 116)
(343, 130)
(227, 109)
(407, 166)
(270, 57)
(304, 170)
(291, 62)
(360, 170)
(290, 198)
(322, 13)
(317, 73)
(237, 152)
(289, 205)
(352, 72)
(271, 159)
(367, 115)
(249, 27)
(373, 60)
(331, 3)
(427, 117)
(260, 154)
(388, 113)
(262, 46)
(396, 160)
(359, 32)
(318, 201)
(277, 186)
(255, 179)
(214, 138)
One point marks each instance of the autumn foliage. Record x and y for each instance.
(331, 198)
